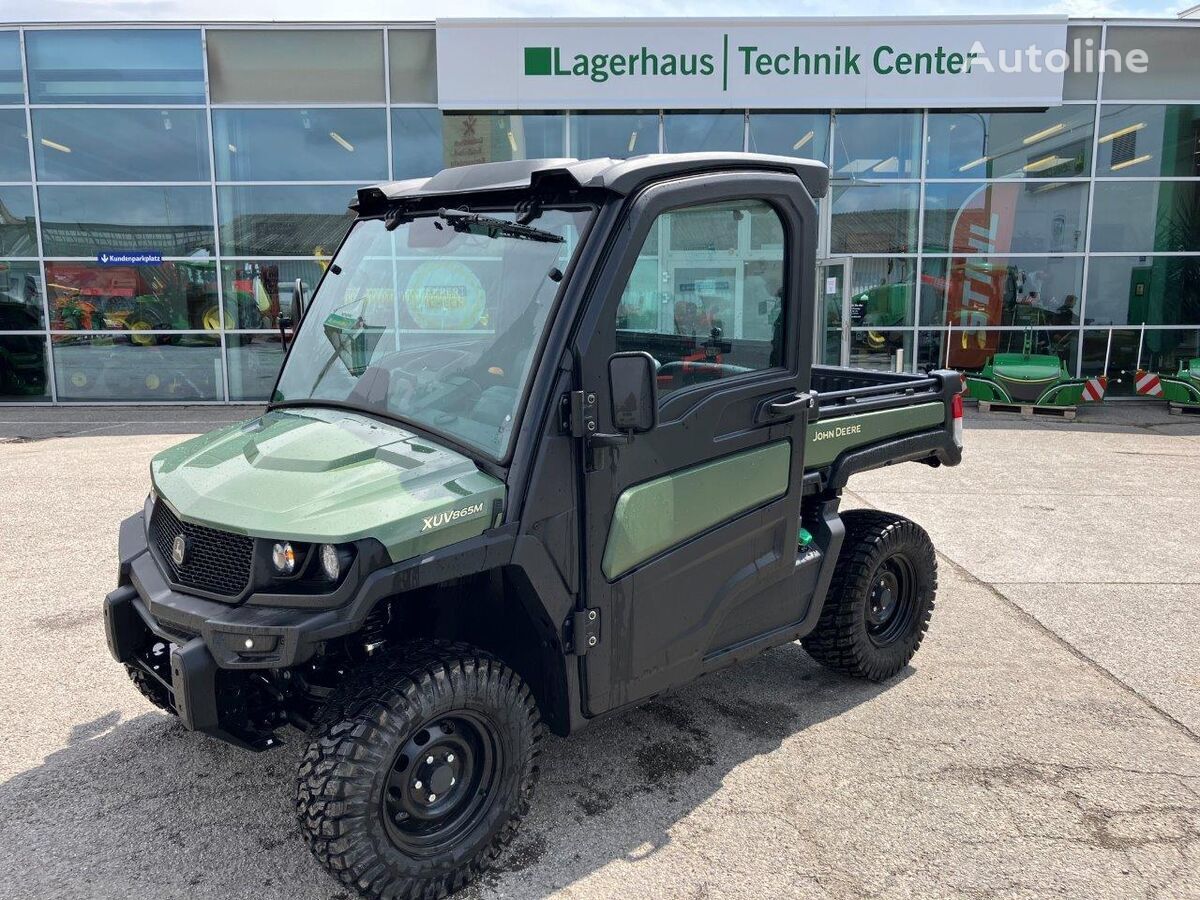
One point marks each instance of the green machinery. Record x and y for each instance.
(1037, 379)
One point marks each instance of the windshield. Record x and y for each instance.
(435, 322)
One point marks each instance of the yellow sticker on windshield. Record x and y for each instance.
(444, 295)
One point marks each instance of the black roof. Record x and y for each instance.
(621, 176)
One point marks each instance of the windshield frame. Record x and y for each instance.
(492, 206)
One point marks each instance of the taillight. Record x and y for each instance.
(956, 412)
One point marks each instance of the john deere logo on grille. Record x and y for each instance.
(179, 549)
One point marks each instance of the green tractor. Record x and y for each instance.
(1036, 379)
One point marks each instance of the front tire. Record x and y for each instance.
(418, 772)
(881, 597)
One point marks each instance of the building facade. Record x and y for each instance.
(162, 188)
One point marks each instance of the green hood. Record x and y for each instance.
(326, 475)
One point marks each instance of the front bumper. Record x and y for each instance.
(210, 664)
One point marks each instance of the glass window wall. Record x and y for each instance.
(687, 132)
(1006, 217)
(1171, 71)
(876, 145)
(1136, 290)
(12, 87)
(137, 368)
(17, 234)
(1148, 140)
(257, 290)
(174, 296)
(14, 146)
(114, 65)
(412, 59)
(988, 291)
(283, 220)
(300, 144)
(147, 144)
(84, 220)
(1056, 143)
(790, 134)
(874, 218)
(471, 138)
(284, 65)
(417, 143)
(1146, 216)
(20, 296)
(613, 134)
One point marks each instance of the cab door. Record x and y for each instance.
(689, 529)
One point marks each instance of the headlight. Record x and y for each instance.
(283, 558)
(331, 564)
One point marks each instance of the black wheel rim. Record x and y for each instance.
(441, 783)
(892, 601)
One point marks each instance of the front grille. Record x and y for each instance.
(215, 561)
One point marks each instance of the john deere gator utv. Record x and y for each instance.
(477, 506)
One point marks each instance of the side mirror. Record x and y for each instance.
(634, 385)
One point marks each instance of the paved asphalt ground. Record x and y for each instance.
(1045, 741)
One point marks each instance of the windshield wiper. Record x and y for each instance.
(476, 223)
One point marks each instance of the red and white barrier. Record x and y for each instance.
(1094, 388)
(1148, 384)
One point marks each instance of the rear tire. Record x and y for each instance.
(881, 597)
(418, 771)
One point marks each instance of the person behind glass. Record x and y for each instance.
(1066, 314)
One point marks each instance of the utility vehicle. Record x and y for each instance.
(479, 505)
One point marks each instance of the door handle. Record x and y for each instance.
(792, 404)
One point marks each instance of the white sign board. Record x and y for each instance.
(516, 64)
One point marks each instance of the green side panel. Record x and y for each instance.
(826, 440)
(1069, 393)
(655, 515)
(981, 389)
(1181, 390)
(326, 475)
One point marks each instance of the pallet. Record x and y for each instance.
(1184, 409)
(1029, 410)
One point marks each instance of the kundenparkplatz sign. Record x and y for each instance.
(526, 64)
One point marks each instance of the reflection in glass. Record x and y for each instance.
(283, 220)
(416, 143)
(412, 57)
(14, 146)
(280, 65)
(975, 291)
(1081, 85)
(618, 135)
(1146, 216)
(1006, 217)
(1145, 140)
(12, 88)
(120, 144)
(86, 220)
(23, 368)
(1162, 351)
(687, 132)
(881, 350)
(1151, 290)
(881, 292)
(1056, 143)
(877, 145)
(17, 237)
(492, 137)
(115, 66)
(300, 144)
(709, 307)
(970, 349)
(1172, 71)
(180, 368)
(20, 296)
(790, 134)
(86, 296)
(256, 290)
(254, 361)
(874, 218)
